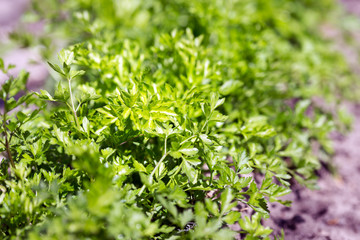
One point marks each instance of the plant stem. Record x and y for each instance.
(152, 173)
(131, 139)
(187, 139)
(211, 176)
(7, 144)
(72, 104)
(156, 167)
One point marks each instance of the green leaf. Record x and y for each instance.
(139, 167)
(66, 56)
(219, 102)
(169, 206)
(86, 125)
(185, 217)
(212, 207)
(74, 73)
(246, 170)
(230, 86)
(21, 116)
(218, 117)
(160, 171)
(57, 69)
(205, 139)
(189, 151)
(226, 199)
(214, 100)
(12, 126)
(61, 94)
(45, 95)
(175, 154)
(232, 217)
(190, 172)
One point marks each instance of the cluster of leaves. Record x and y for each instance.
(156, 133)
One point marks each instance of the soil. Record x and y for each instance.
(24, 58)
(331, 213)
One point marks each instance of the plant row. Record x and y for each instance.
(168, 119)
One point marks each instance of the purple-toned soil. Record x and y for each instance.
(29, 59)
(333, 212)
(10, 13)
(352, 6)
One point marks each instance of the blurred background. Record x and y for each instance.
(33, 31)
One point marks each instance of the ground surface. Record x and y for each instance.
(29, 59)
(331, 213)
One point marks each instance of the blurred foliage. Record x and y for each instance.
(167, 115)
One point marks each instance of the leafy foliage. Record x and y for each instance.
(167, 115)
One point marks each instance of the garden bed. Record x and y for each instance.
(172, 129)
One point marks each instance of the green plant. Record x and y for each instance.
(156, 133)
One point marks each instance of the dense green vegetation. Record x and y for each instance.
(166, 116)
